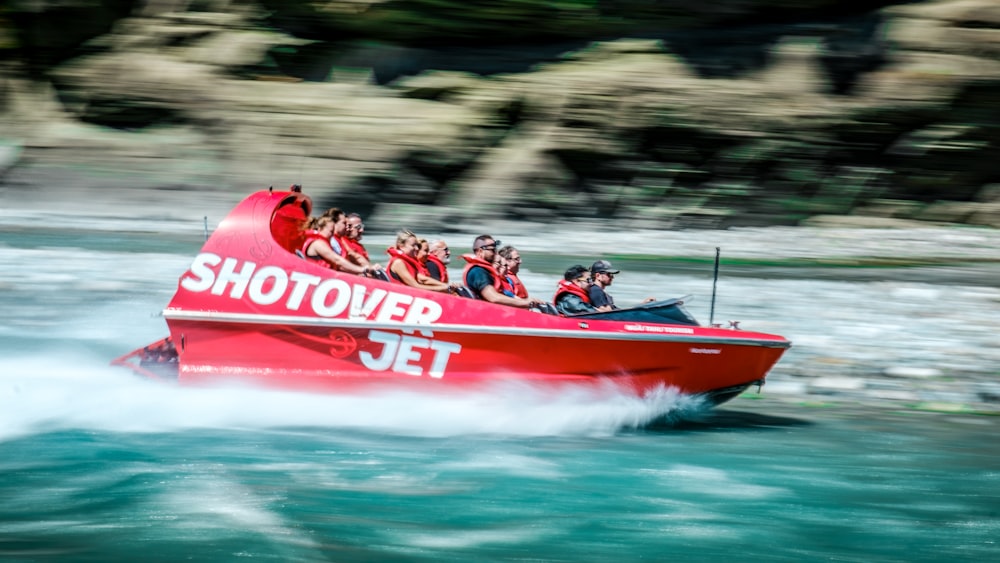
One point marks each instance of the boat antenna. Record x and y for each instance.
(206, 227)
(715, 282)
(301, 164)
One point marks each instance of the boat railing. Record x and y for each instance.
(666, 311)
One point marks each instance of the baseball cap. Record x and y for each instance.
(602, 266)
(574, 272)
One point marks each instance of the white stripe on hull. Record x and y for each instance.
(289, 320)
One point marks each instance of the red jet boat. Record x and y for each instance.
(250, 308)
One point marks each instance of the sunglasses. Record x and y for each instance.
(359, 226)
(492, 246)
(588, 280)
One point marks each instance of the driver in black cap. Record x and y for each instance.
(603, 274)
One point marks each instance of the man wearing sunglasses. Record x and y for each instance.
(604, 275)
(513, 259)
(571, 294)
(438, 260)
(484, 281)
(352, 239)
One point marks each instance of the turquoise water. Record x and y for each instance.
(745, 483)
(97, 465)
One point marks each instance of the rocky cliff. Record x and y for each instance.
(652, 114)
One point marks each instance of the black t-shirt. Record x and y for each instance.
(477, 279)
(599, 297)
(434, 270)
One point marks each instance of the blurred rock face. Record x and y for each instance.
(671, 117)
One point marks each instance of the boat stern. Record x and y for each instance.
(158, 361)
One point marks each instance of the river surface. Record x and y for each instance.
(875, 438)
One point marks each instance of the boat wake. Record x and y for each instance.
(41, 395)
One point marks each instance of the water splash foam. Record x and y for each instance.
(39, 395)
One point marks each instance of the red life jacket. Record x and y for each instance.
(474, 261)
(566, 286)
(441, 267)
(312, 236)
(355, 246)
(411, 263)
(517, 286)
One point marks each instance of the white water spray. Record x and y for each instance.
(41, 395)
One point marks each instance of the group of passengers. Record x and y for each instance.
(410, 263)
(489, 275)
(333, 240)
(584, 290)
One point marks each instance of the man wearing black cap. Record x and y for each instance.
(603, 274)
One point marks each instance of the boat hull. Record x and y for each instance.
(335, 357)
